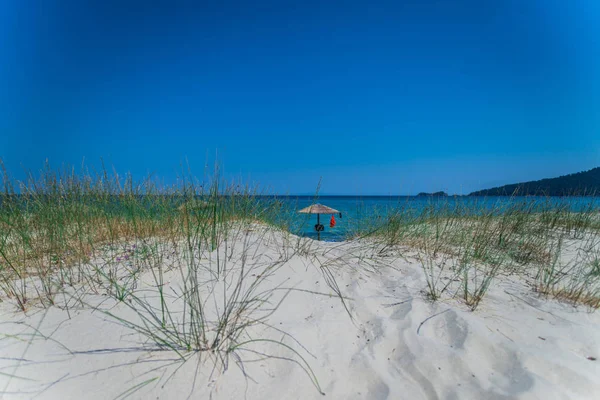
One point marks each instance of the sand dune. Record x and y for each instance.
(385, 341)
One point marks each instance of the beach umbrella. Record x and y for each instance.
(318, 209)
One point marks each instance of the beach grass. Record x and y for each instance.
(55, 222)
(471, 243)
(65, 235)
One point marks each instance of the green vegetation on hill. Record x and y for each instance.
(586, 183)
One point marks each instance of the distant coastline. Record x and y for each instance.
(585, 183)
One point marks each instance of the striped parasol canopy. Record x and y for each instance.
(318, 209)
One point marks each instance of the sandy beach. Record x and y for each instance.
(382, 339)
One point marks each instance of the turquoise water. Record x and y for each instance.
(359, 212)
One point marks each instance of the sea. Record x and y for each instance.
(362, 212)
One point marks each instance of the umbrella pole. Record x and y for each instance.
(318, 223)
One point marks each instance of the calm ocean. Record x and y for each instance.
(363, 211)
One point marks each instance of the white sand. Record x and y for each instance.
(397, 345)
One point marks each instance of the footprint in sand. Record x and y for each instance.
(404, 358)
(375, 388)
(448, 329)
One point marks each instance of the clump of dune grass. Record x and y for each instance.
(221, 295)
(64, 234)
(51, 224)
(574, 278)
(468, 242)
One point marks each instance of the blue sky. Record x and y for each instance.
(374, 97)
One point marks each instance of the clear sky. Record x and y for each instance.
(375, 97)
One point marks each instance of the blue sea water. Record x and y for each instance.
(362, 212)
(359, 212)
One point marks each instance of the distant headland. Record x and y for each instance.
(586, 183)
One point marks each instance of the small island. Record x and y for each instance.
(435, 194)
